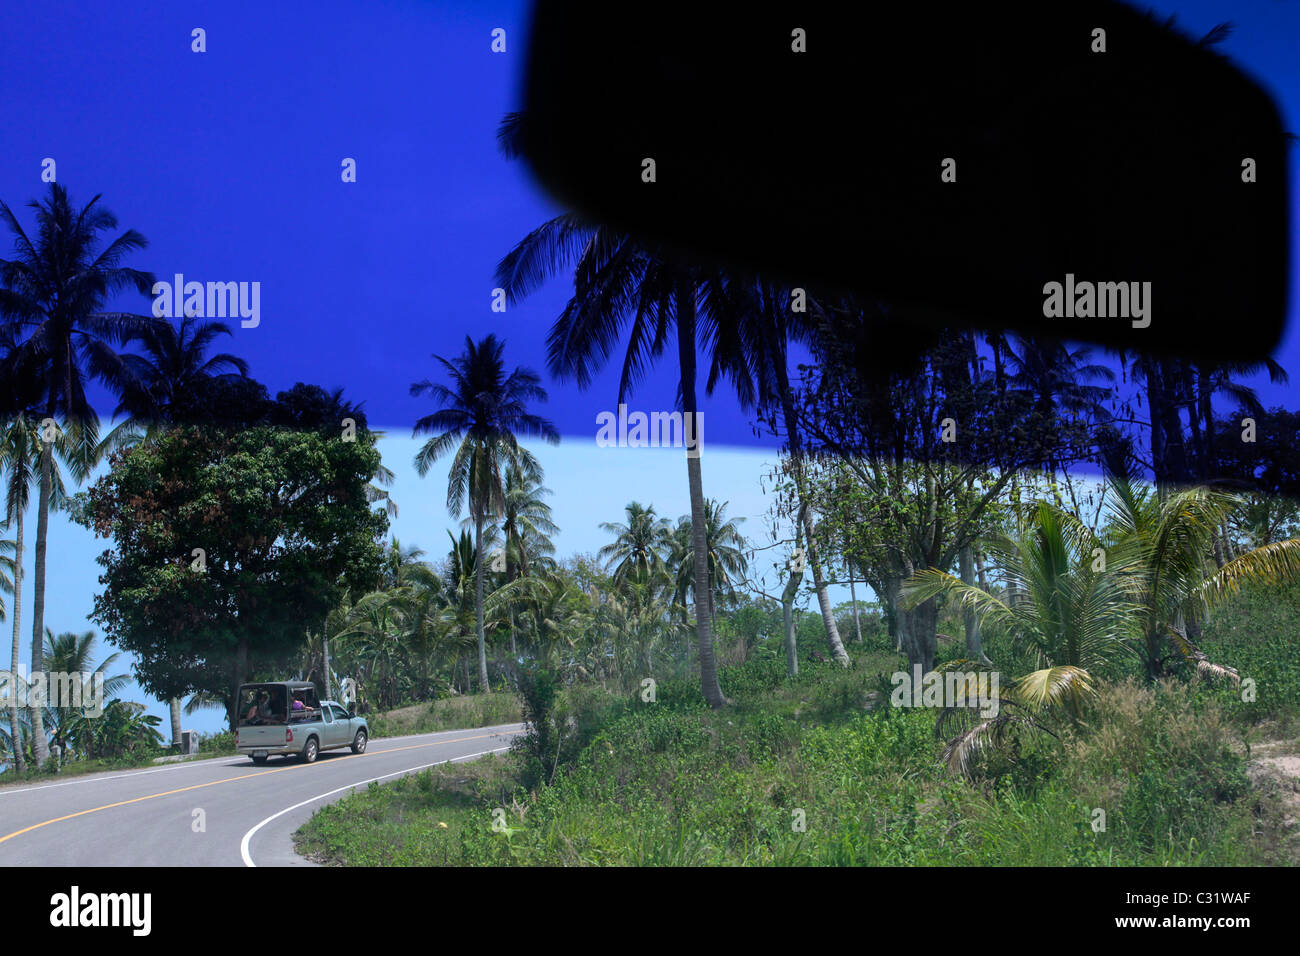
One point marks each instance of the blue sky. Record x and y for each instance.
(229, 162)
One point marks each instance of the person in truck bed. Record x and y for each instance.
(261, 708)
(301, 710)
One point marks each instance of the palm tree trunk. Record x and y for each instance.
(40, 747)
(478, 603)
(20, 761)
(176, 722)
(704, 626)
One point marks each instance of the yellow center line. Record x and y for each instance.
(213, 783)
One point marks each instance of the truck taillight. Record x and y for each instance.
(288, 735)
(236, 738)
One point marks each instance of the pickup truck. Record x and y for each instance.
(285, 718)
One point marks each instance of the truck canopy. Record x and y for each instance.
(277, 702)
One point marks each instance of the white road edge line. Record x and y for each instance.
(244, 843)
(191, 764)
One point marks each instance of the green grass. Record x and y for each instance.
(1259, 634)
(449, 713)
(820, 770)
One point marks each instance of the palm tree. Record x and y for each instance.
(725, 548)
(1072, 611)
(526, 522)
(639, 544)
(636, 616)
(1172, 572)
(556, 619)
(165, 381)
(78, 447)
(619, 281)
(8, 567)
(526, 526)
(52, 296)
(20, 451)
(72, 654)
(397, 563)
(480, 416)
(1073, 615)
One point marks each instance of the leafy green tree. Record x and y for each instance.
(166, 381)
(227, 544)
(480, 417)
(121, 729)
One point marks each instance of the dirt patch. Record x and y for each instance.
(1275, 772)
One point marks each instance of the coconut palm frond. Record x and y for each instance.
(1270, 564)
(1197, 658)
(1064, 686)
(964, 750)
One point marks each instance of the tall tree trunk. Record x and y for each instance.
(704, 626)
(896, 617)
(787, 607)
(796, 452)
(787, 617)
(974, 641)
(853, 596)
(239, 677)
(175, 705)
(824, 598)
(920, 640)
(478, 603)
(325, 653)
(40, 747)
(20, 760)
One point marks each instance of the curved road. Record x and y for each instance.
(151, 817)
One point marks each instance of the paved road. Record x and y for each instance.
(150, 817)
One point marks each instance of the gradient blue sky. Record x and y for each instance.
(229, 162)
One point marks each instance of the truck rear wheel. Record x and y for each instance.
(310, 750)
(259, 758)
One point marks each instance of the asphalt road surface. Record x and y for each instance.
(247, 813)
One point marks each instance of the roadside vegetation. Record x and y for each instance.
(674, 782)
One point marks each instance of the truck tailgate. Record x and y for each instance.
(270, 737)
